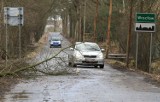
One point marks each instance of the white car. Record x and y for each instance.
(86, 53)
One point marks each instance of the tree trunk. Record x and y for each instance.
(129, 33)
(95, 22)
(109, 27)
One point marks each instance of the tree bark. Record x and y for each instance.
(108, 29)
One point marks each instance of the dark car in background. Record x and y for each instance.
(55, 42)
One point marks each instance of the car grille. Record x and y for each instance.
(89, 61)
(90, 56)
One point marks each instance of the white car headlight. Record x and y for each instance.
(100, 56)
(78, 55)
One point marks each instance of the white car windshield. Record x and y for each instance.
(87, 47)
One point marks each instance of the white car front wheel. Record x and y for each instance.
(102, 66)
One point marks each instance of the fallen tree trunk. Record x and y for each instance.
(10, 73)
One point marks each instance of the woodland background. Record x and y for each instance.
(74, 13)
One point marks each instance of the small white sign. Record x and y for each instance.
(13, 16)
(13, 12)
(145, 27)
(14, 21)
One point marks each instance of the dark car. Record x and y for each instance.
(56, 42)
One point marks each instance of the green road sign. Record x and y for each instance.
(145, 18)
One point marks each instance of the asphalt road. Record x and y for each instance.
(88, 84)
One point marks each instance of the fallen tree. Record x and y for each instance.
(34, 67)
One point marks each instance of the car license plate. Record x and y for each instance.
(89, 60)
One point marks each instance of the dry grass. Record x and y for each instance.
(7, 82)
(38, 46)
(156, 67)
(122, 65)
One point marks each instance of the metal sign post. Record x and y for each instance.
(150, 57)
(6, 53)
(13, 16)
(20, 51)
(20, 23)
(145, 22)
(137, 49)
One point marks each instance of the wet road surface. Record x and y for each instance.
(88, 84)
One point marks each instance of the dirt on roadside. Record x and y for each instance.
(121, 66)
(7, 82)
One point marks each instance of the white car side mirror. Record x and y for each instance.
(102, 50)
(71, 49)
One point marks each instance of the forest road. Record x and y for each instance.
(88, 85)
